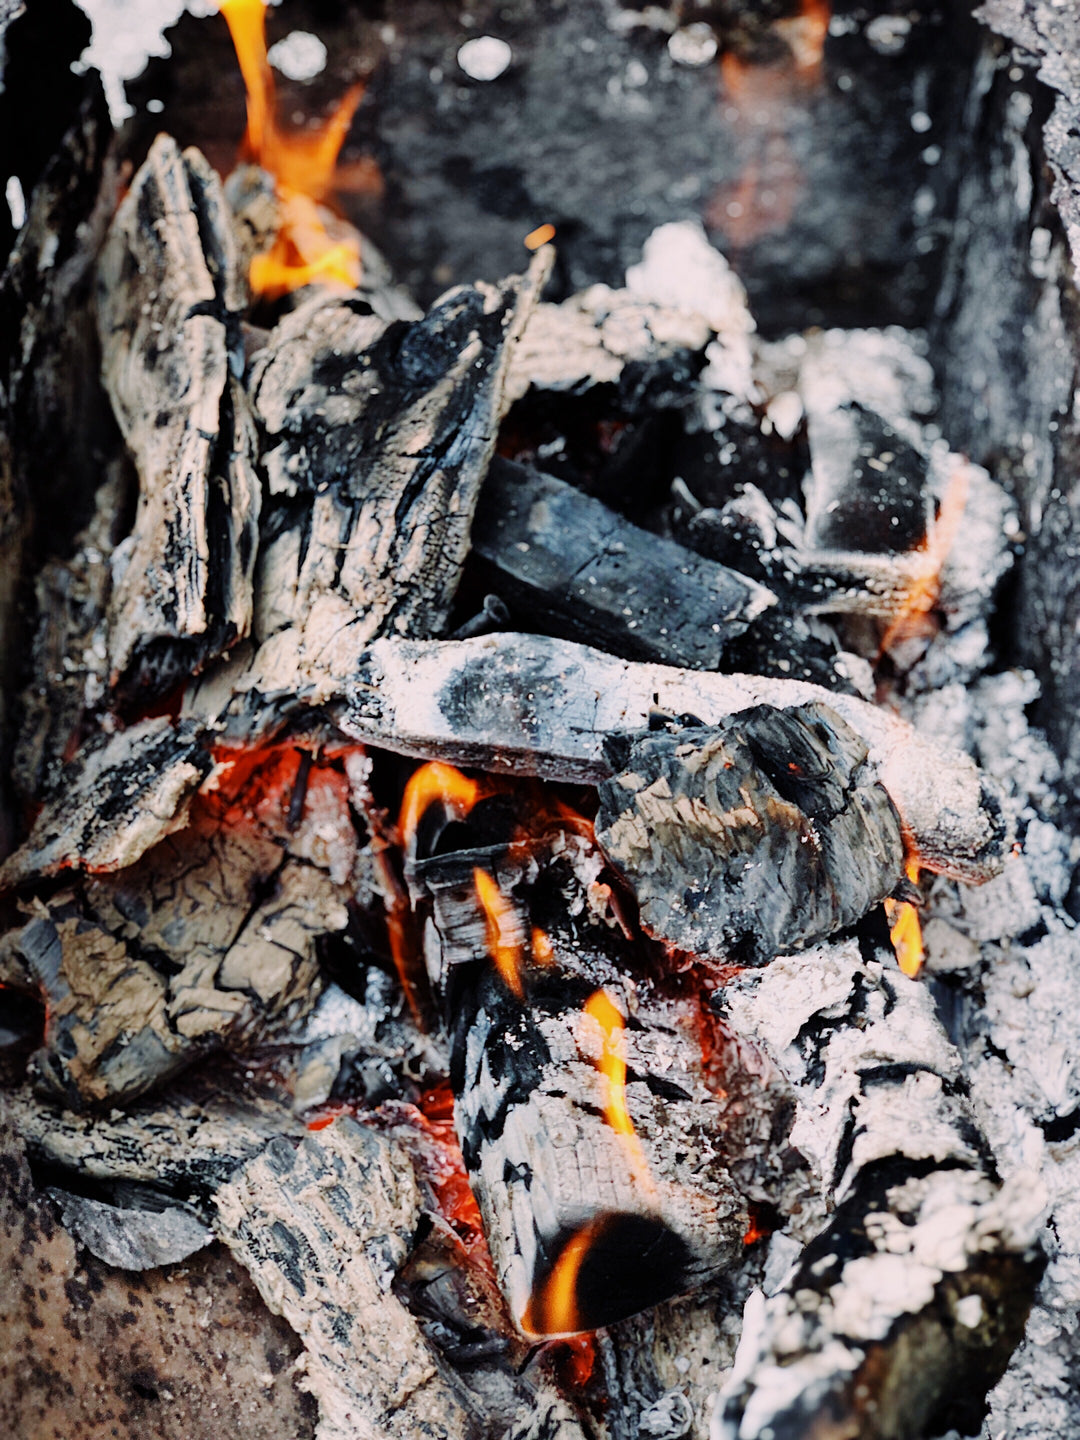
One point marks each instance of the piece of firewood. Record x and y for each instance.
(645, 1215)
(752, 838)
(377, 438)
(905, 1306)
(169, 302)
(577, 565)
(117, 798)
(530, 705)
(323, 1229)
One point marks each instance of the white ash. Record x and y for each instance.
(299, 55)
(485, 58)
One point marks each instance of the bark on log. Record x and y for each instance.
(649, 1216)
(753, 838)
(596, 578)
(905, 1307)
(377, 439)
(169, 300)
(323, 1229)
(533, 706)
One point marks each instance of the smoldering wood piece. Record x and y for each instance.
(121, 795)
(593, 576)
(904, 1307)
(169, 300)
(256, 214)
(323, 1229)
(530, 705)
(752, 838)
(209, 938)
(648, 1217)
(184, 1143)
(376, 441)
(68, 659)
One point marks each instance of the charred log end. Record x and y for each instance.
(607, 1270)
(935, 1371)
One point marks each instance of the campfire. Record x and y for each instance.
(538, 864)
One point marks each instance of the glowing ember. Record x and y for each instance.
(303, 167)
(905, 930)
(542, 235)
(503, 931)
(554, 1309)
(925, 591)
(433, 783)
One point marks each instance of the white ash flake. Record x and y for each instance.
(299, 55)
(485, 58)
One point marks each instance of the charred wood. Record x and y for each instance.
(323, 1229)
(592, 576)
(752, 838)
(169, 298)
(377, 438)
(530, 705)
(647, 1216)
(905, 1306)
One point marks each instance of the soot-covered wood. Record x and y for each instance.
(529, 705)
(169, 299)
(752, 838)
(592, 576)
(905, 1305)
(662, 1211)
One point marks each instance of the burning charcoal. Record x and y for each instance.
(169, 302)
(595, 577)
(323, 1229)
(210, 936)
(905, 1307)
(751, 838)
(377, 440)
(609, 1174)
(534, 706)
(121, 795)
(128, 1237)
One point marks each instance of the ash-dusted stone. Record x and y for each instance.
(130, 1238)
(169, 297)
(752, 838)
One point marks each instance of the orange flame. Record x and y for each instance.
(554, 1309)
(303, 167)
(925, 591)
(435, 782)
(503, 931)
(612, 1065)
(905, 930)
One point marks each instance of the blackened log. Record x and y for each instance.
(652, 1216)
(122, 794)
(323, 1229)
(169, 299)
(905, 1306)
(377, 439)
(752, 838)
(530, 705)
(591, 575)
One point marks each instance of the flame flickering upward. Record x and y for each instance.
(435, 782)
(303, 167)
(937, 545)
(905, 929)
(612, 1066)
(503, 944)
(554, 1309)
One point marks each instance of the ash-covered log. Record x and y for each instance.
(611, 1169)
(592, 576)
(533, 706)
(904, 1308)
(753, 838)
(169, 300)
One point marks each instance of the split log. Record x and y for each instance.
(210, 936)
(169, 303)
(377, 439)
(587, 1222)
(534, 706)
(323, 1229)
(905, 1307)
(119, 797)
(580, 567)
(752, 838)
